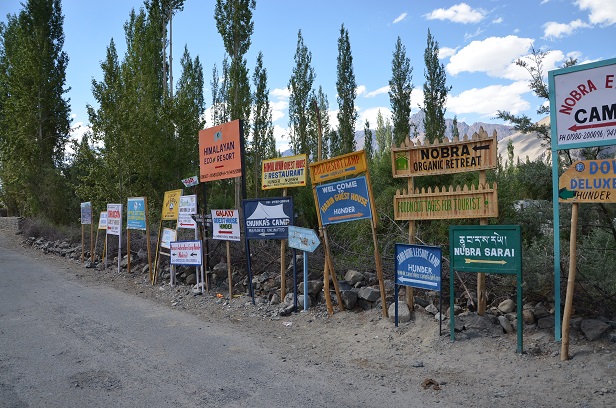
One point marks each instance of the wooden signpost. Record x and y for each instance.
(479, 153)
(349, 194)
(86, 219)
(170, 212)
(137, 219)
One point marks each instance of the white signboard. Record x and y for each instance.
(191, 181)
(167, 237)
(114, 219)
(188, 207)
(583, 105)
(186, 253)
(226, 225)
(102, 221)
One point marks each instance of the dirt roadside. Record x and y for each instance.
(479, 369)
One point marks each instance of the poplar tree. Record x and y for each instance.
(368, 141)
(34, 113)
(301, 95)
(346, 88)
(400, 89)
(435, 92)
(323, 105)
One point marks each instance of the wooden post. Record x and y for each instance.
(377, 254)
(82, 238)
(157, 255)
(128, 250)
(564, 350)
(481, 277)
(147, 235)
(283, 277)
(91, 240)
(229, 274)
(330, 262)
(412, 231)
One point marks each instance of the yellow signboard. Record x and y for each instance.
(337, 167)
(460, 202)
(284, 172)
(458, 156)
(171, 205)
(588, 181)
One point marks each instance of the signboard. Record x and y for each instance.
(284, 172)
(167, 237)
(220, 152)
(188, 207)
(226, 225)
(588, 181)
(338, 167)
(86, 213)
(479, 153)
(171, 205)
(486, 248)
(582, 105)
(186, 253)
(304, 239)
(102, 221)
(344, 200)
(191, 181)
(445, 205)
(114, 219)
(419, 266)
(267, 218)
(135, 214)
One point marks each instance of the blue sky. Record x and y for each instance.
(479, 41)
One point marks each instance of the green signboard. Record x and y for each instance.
(487, 249)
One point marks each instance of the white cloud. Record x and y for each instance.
(468, 36)
(400, 18)
(281, 93)
(371, 114)
(459, 13)
(601, 11)
(497, 20)
(446, 52)
(551, 61)
(552, 29)
(361, 89)
(492, 55)
(381, 90)
(282, 138)
(487, 101)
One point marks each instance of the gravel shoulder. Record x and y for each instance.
(480, 369)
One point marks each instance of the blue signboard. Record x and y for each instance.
(418, 266)
(304, 239)
(267, 218)
(344, 200)
(135, 213)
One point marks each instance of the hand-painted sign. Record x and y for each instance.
(135, 214)
(304, 239)
(168, 236)
(489, 248)
(186, 253)
(114, 219)
(226, 225)
(220, 152)
(447, 204)
(86, 213)
(190, 181)
(346, 165)
(478, 153)
(188, 207)
(583, 111)
(284, 172)
(344, 200)
(102, 221)
(418, 266)
(267, 218)
(588, 181)
(171, 205)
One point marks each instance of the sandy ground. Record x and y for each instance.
(480, 369)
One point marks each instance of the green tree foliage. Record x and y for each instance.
(347, 91)
(219, 87)
(435, 92)
(383, 134)
(368, 141)
(400, 89)
(263, 144)
(34, 115)
(301, 95)
(455, 132)
(323, 107)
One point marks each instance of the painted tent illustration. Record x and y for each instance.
(262, 212)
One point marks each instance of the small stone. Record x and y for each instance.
(404, 314)
(594, 328)
(507, 306)
(505, 323)
(353, 277)
(431, 309)
(370, 294)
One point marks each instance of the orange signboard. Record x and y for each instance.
(171, 205)
(458, 156)
(337, 167)
(283, 172)
(220, 152)
(588, 181)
